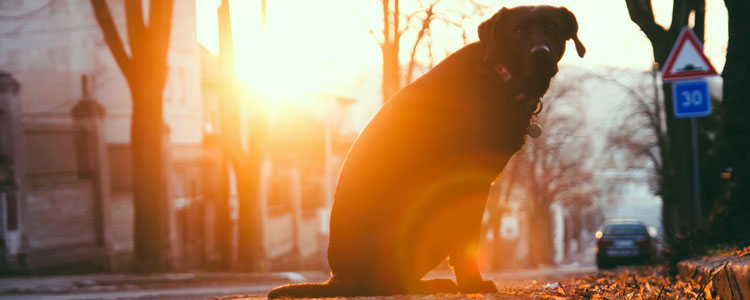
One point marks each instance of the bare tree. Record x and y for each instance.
(497, 205)
(736, 123)
(397, 22)
(676, 157)
(640, 133)
(550, 166)
(390, 48)
(553, 164)
(245, 163)
(145, 71)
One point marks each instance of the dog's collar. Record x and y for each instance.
(533, 104)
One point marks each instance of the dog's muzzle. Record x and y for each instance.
(541, 61)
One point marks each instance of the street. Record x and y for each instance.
(578, 279)
(571, 282)
(507, 281)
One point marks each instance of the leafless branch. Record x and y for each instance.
(111, 37)
(134, 15)
(680, 14)
(642, 14)
(160, 24)
(425, 26)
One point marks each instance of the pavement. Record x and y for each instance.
(214, 285)
(225, 285)
(729, 275)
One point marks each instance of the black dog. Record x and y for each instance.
(413, 188)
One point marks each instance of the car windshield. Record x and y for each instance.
(624, 229)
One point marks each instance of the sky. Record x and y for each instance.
(326, 47)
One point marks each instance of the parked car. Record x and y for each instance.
(621, 241)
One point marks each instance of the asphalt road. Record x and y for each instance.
(506, 281)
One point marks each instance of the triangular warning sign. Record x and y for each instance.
(686, 60)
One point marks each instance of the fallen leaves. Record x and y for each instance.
(743, 252)
(642, 283)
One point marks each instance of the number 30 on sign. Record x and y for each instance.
(691, 99)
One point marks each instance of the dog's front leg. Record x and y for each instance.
(464, 263)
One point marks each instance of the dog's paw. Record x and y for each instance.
(481, 287)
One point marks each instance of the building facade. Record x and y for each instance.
(67, 131)
(65, 165)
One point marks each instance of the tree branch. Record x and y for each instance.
(386, 25)
(111, 37)
(134, 17)
(699, 28)
(160, 24)
(680, 14)
(158, 33)
(396, 15)
(376, 38)
(642, 15)
(425, 26)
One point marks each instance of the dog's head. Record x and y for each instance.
(529, 40)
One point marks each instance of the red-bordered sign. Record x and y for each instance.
(686, 60)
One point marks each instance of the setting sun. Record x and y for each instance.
(300, 51)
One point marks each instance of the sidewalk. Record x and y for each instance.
(730, 275)
(120, 282)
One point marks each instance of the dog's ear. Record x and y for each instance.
(571, 31)
(487, 37)
(485, 29)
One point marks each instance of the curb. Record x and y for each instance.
(730, 276)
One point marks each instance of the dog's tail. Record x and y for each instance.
(330, 288)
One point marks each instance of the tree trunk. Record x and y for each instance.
(391, 78)
(736, 122)
(151, 202)
(246, 165)
(496, 260)
(222, 223)
(677, 208)
(250, 241)
(146, 72)
(678, 212)
(390, 49)
(541, 237)
(493, 224)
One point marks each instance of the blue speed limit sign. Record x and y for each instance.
(691, 99)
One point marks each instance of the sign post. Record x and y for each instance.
(685, 64)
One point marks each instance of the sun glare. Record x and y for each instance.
(314, 48)
(302, 48)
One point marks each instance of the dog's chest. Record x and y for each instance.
(498, 124)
